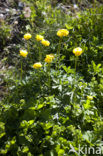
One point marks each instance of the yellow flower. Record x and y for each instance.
(90, 97)
(49, 58)
(37, 65)
(39, 37)
(62, 32)
(77, 51)
(45, 43)
(27, 36)
(23, 53)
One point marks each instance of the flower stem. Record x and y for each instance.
(74, 89)
(40, 54)
(40, 79)
(76, 59)
(21, 70)
(58, 53)
(28, 48)
(49, 80)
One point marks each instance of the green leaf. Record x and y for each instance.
(68, 26)
(40, 106)
(25, 149)
(61, 152)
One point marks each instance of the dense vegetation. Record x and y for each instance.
(50, 106)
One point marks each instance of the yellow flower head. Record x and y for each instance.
(77, 51)
(62, 32)
(49, 58)
(37, 65)
(45, 43)
(90, 97)
(23, 53)
(27, 36)
(39, 37)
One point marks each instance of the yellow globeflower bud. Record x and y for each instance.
(90, 97)
(23, 53)
(49, 58)
(77, 51)
(45, 43)
(62, 32)
(37, 65)
(27, 36)
(39, 37)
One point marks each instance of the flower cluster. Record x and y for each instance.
(62, 32)
(37, 65)
(77, 51)
(49, 58)
(23, 53)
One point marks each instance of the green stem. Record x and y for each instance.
(49, 80)
(76, 59)
(16, 76)
(75, 63)
(28, 48)
(40, 78)
(58, 53)
(21, 70)
(40, 54)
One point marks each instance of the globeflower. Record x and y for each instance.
(23, 53)
(50, 55)
(49, 58)
(90, 97)
(37, 65)
(39, 37)
(45, 42)
(77, 51)
(27, 36)
(62, 32)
